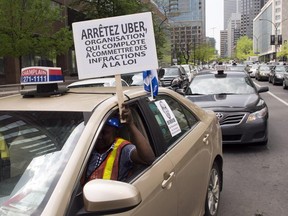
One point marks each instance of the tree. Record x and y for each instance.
(284, 51)
(96, 9)
(26, 27)
(204, 52)
(244, 48)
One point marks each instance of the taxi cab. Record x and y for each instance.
(47, 136)
(232, 95)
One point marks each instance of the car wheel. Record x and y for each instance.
(213, 192)
(273, 81)
(284, 85)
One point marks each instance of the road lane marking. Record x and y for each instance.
(284, 102)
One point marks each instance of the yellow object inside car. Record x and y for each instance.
(4, 151)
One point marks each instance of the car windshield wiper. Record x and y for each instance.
(226, 93)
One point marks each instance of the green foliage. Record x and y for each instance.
(244, 48)
(96, 9)
(284, 50)
(26, 27)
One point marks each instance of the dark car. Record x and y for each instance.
(285, 80)
(262, 73)
(277, 73)
(232, 95)
(175, 77)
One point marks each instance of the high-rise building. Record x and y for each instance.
(223, 43)
(249, 10)
(233, 33)
(271, 22)
(230, 6)
(187, 19)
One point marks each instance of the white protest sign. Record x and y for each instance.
(169, 117)
(115, 45)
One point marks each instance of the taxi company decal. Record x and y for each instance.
(36, 75)
(115, 45)
(169, 117)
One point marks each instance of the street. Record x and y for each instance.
(255, 177)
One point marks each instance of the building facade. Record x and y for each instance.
(223, 43)
(249, 9)
(233, 33)
(187, 21)
(270, 23)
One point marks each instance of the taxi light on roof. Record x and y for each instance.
(220, 67)
(41, 75)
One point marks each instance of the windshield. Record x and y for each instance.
(34, 148)
(264, 68)
(281, 69)
(171, 72)
(228, 85)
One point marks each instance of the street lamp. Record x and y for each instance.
(276, 26)
(257, 38)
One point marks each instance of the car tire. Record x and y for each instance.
(213, 191)
(284, 85)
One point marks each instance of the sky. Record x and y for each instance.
(214, 20)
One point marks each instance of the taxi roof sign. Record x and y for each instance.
(220, 67)
(41, 75)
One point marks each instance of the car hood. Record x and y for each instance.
(227, 102)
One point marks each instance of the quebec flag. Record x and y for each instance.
(150, 79)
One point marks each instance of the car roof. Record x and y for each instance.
(108, 81)
(76, 99)
(228, 73)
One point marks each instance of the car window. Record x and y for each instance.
(228, 85)
(34, 147)
(173, 118)
(171, 72)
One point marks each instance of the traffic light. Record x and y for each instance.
(272, 39)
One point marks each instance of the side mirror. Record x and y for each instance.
(263, 89)
(107, 196)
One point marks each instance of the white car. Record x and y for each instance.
(253, 69)
(96, 82)
(46, 142)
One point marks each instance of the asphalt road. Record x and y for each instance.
(256, 178)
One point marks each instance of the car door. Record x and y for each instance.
(190, 153)
(155, 182)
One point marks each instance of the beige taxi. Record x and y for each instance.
(46, 140)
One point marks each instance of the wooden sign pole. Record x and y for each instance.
(119, 93)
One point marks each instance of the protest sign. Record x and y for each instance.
(115, 45)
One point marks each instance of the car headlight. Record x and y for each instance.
(279, 76)
(258, 114)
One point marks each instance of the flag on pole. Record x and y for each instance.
(150, 79)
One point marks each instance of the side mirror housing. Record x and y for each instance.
(107, 196)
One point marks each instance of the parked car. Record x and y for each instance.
(190, 70)
(262, 73)
(285, 80)
(47, 139)
(253, 69)
(236, 67)
(277, 73)
(174, 76)
(96, 82)
(232, 95)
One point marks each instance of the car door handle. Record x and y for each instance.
(167, 183)
(205, 139)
